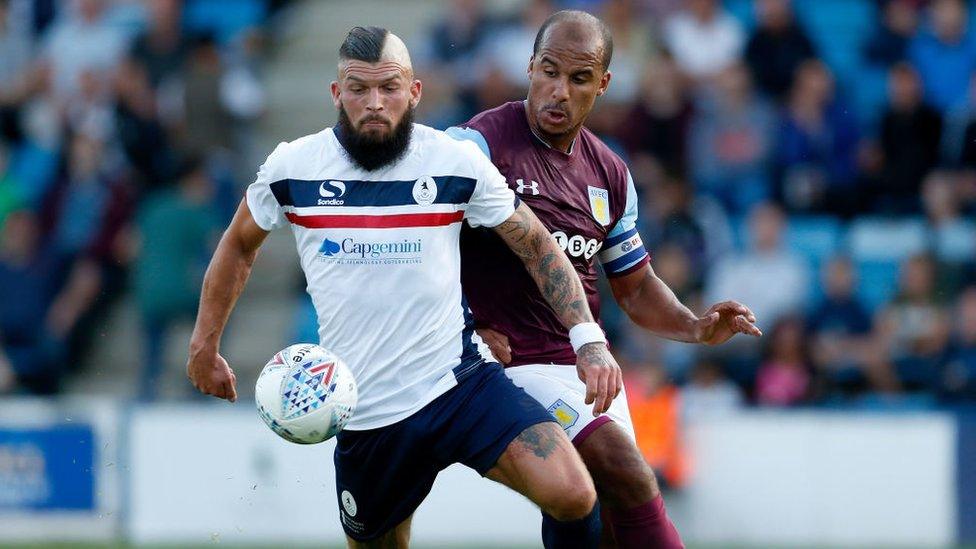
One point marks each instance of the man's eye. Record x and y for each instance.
(549, 72)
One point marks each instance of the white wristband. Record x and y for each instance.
(585, 332)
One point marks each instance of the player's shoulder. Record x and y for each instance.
(445, 146)
(600, 154)
(301, 148)
(501, 116)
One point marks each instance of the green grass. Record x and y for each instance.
(220, 545)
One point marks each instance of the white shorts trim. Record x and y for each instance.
(558, 388)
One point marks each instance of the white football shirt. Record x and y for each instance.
(380, 254)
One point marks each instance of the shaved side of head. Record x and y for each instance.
(374, 45)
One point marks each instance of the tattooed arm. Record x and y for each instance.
(562, 289)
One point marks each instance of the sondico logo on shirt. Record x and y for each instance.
(350, 251)
(331, 193)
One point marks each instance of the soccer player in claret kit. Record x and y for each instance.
(584, 194)
(376, 205)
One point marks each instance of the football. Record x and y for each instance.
(305, 394)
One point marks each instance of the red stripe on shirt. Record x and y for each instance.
(375, 221)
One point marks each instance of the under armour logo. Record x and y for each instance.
(531, 186)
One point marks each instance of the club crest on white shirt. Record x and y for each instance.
(425, 191)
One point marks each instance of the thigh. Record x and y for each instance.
(484, 415)
(382, 476)
(560, 391)
(397, 538)
(541, 464)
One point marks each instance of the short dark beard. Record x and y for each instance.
(371, 153)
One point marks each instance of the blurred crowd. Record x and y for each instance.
(126, 133)
(813, 159)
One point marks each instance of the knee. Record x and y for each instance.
(573, 499)
(624, 479)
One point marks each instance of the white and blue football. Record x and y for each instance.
(306, 394)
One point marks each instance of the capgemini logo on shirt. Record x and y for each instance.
(371, 252)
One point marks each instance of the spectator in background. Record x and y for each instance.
(945, 54)
(704, 39)
(817, 145)
(162, 47)
(15, 58)
(32, 276)
(141, 135)
(635, 344)
(505, 50)
(673, 215)
(709, 393)
(10, 198)
(207, 124)
(784, 377)
(87, 211)
(669, 221)
(633, 43)
(82, 41)
(449, 50)
(893, 33)
(776, 48)
(655, 408)
(959, 378)
(912, 330)
(769, 277)
(910, 134)
(839, 329)
(953, 237)
(82, 203)
(177, 228)
(657, 123)
(730, 143)
(959, 142)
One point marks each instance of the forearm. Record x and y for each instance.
(555, 276)
(222, 285)
(654, 307)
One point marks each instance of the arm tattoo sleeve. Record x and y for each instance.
(548, 265)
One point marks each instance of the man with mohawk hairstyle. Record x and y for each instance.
(376, 205)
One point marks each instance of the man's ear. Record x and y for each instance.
(604, 83)
(416, 91)
(335, 94)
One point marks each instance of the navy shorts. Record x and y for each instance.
(382, 475)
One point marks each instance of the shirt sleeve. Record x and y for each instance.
(469, 134)
(261, 201)
(623, 251)
(492, 201)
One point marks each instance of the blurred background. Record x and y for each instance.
(814, 159)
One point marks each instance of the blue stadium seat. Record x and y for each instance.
(881, 239)
(742, 10)
(877, 282)
(839, 29)
(816, 237)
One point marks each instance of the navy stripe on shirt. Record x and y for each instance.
(302, 193)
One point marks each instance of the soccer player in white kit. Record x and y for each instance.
(376, 205)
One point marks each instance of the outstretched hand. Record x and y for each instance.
(724, 320)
